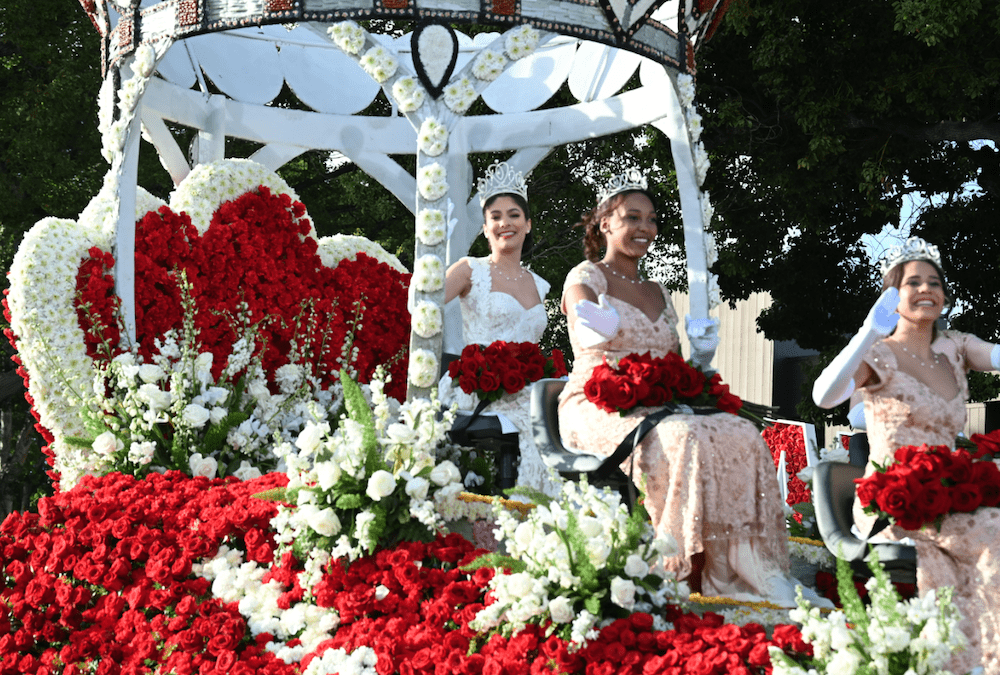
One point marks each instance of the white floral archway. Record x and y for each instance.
(216, 65)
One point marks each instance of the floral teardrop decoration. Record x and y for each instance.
(435, 52)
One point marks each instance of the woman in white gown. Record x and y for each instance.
(501, 300)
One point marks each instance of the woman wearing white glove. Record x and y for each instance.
(912, 378)
(709, 480)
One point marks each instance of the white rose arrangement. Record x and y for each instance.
(432, 181)
(432, 139)
(575, 560)
(348, 36)
(371, 480)
(408, 93)
(889, 636)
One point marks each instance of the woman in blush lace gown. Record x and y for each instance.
(501, 300)
(708, 480)
(913, 380)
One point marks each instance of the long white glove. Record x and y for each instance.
(703, 335)
(595, 323)
(836, 383)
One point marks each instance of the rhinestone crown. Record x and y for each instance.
(632, 179)
(913, 248)
(501, 179)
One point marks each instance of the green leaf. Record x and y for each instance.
(359, 412)
(348, 502)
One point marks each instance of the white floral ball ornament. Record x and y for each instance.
(432, 182)
(489, 64)
(521, 42)
(428, 273)
(380, 63)
(423, 368)
(427, 319)
(431, 226)
(432, 138)
(458, 96)
(348, 36)
(409, 94)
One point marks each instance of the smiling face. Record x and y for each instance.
(505, 224)
(631, 227)
(921, 292)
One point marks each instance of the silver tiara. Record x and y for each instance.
(501, 179)
(913, 248)
(632, 179)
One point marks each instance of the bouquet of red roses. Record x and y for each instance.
(926, 483)
(503, 367)
(643, 380)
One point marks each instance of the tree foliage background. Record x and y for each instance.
(820, 118)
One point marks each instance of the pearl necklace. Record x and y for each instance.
(496, 268)
(917, 358)
(620, 275)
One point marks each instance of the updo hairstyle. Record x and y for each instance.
(593, 238)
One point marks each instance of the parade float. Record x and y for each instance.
(252, 471)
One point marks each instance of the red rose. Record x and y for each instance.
(600, 386)
(690, 382)
(656, 396)
(987, 476)
(513, 381)
(960, 470)
(985, 443)
(558, 364)
(896, 498)
(489, 382)
(966, 497)
(934, 500)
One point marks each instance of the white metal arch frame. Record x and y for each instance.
(570, 42)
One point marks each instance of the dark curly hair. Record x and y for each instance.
(593, 238)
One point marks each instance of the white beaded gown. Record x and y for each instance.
(488, 316)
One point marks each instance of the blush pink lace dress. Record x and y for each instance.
(708, 480)
(965, 554)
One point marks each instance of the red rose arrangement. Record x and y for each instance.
(791, 439)
(926, 483)
(503, 367)
(643, 380)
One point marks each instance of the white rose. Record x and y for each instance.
(195, 416)
(401, 434)
(203, 466)
(591, 527)
(445, 473)
(247, 471)
(623, 593)
(327, 473)
(325, 522)
(151, 373)
(666, 545)
(217, 414)
(417, 487)
(381, 484)
(310, 437)
(561, 609)
(635, 566)
(107, 444)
